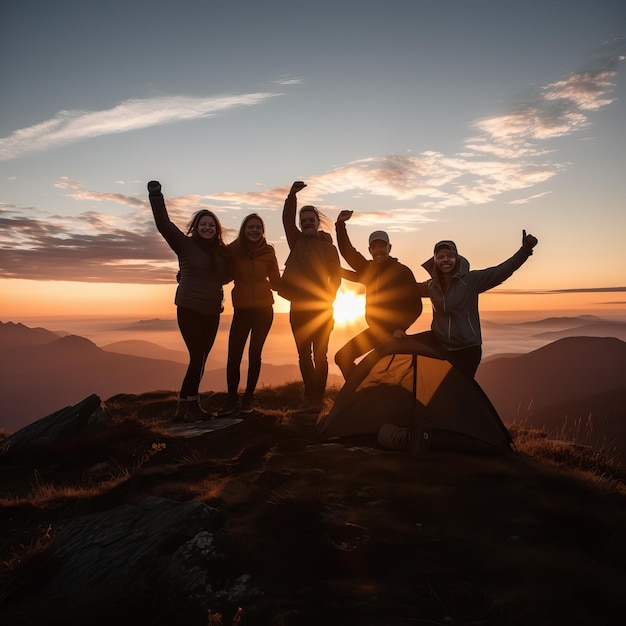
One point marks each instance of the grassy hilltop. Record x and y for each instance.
(338, 532)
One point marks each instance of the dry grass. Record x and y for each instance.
(467, 540)
(576, 446)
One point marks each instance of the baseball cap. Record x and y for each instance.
(379, 234)
(446, 244)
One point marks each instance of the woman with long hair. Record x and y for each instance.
(310, 281)
(256, 274)
(199, 299)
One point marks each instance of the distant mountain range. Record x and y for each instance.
(146, 349)
(570, 378)
(575, 380)
(42, 372)
(153, 324)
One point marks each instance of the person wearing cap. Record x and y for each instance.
(392, 301)
(310, 281)
(453, 290)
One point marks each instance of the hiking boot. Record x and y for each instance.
(305, 405)
(247, 404)
(310, 406)
(195, 412)
(230, 408)
(316, 406)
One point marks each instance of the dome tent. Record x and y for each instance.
(413, 399)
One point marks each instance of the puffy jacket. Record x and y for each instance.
(255, 272)
(456, 322)
(312, 270)
(392, 300)
(204, 267)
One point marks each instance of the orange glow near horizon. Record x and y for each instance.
(28, 299)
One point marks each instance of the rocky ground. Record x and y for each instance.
(136, 518)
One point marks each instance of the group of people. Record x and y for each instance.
(310, 280)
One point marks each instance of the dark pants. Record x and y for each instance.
(466, 360)
(255, 323)
(311, 331)
(359, 345)
(199, 332)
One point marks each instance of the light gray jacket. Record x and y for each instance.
(456, 322)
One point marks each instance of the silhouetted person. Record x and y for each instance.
(453, 289)
(392, 301)
(255, 271)
(199, 299)
(310, 282)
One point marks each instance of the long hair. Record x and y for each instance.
(242, 229)
(192, 227)
(324, 220)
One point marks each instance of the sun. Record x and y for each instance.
(349, 307)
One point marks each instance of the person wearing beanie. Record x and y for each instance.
(453, 290)
(310, 281)
(204, 269)
(392, 301)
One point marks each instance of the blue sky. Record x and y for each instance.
(431, 119)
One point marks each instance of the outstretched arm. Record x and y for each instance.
(292, 232)
(350, 275)
(493, 276)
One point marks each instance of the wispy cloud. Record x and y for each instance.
(508, 154)
(558, 109)
(539, 292)
(85, 247)
(288, 80)
(72, 126)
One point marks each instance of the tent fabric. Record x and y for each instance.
(412, 398)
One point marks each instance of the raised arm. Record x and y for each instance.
(171, 233)
(292, 231)
(354, 258)
(494, 276)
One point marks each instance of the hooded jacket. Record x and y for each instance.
(255, 271)
(312, 270)
(456, 322)
(204, 267)
(392, 300)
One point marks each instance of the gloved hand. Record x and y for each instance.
(154, 188)
(528, 241)
(296, 187)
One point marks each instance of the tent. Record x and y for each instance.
(412, 398)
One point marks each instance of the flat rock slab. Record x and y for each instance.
(196, 429)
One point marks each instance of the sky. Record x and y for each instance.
(470, 120)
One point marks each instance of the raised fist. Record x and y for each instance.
(297, 186)
(344, 216)
(154, 187)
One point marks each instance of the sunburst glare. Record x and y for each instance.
(349, 307)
